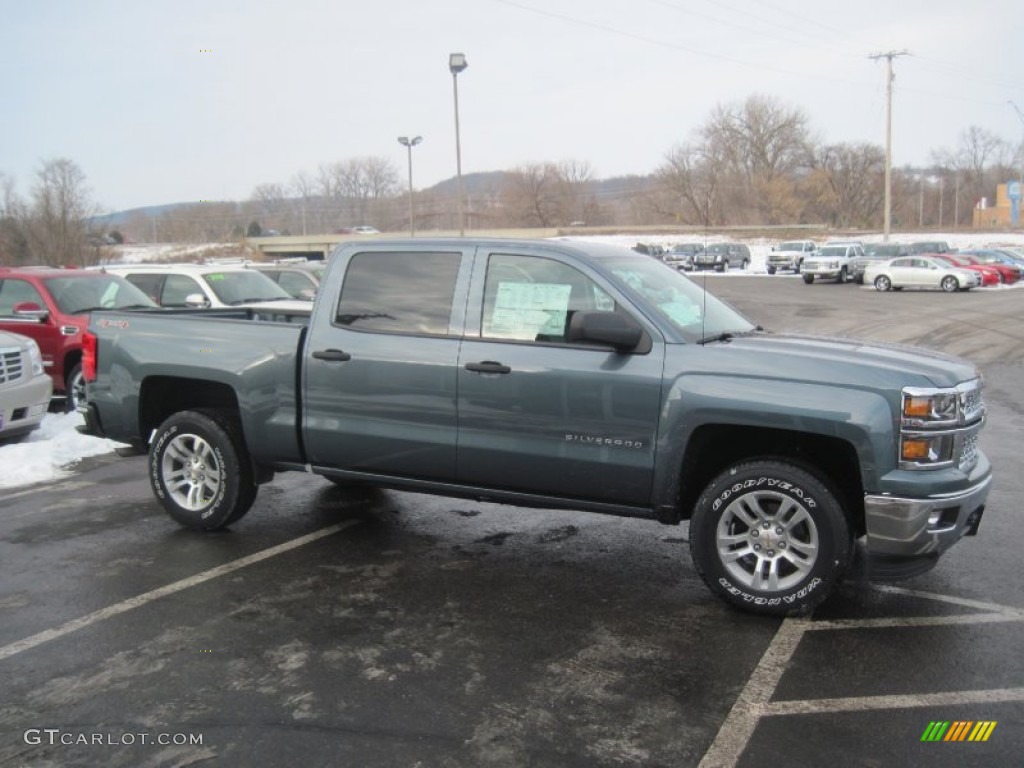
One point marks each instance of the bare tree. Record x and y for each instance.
(13, 243)
(690, 178)
(844, 187)
(765, 143)
(56, 222)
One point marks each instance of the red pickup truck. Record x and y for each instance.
(51, 306)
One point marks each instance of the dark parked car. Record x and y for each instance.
(723, 256)
(299, 279)
(930, 246)
(681, 255)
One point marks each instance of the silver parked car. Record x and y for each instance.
(25, 388)
(920, 272)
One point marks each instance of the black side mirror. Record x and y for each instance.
(608, 328)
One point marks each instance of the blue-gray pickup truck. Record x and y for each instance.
(560, 374)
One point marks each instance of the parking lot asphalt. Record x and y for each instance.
(358, 627)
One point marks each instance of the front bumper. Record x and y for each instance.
(924, 528)
(825, 273)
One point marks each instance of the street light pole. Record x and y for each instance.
(457, 63)
(408, 143)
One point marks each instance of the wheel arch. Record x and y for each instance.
(714, 447)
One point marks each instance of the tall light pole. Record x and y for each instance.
(888, 137)
(408, 143)
(1015, 193)
(456, 63)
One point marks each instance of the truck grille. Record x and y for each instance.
(11, 366)
(968, 453)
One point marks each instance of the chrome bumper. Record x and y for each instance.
(904, 527)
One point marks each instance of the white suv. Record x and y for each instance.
(208, 285)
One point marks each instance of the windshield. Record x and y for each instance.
(79, 293)
(679, 301)
(791, 246)
(832, 250)
(244, 286)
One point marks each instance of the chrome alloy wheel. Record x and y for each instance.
(767, 541)
(191, 472)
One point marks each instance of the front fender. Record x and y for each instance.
(859, 417)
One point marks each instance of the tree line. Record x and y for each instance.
(756, 162)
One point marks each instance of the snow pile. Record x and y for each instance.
(50, 452)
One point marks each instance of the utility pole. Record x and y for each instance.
(888, 56)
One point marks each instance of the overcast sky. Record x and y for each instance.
(163, 101)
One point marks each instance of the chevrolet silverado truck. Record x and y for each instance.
(790, 255)
(832, 262)
(560, 374)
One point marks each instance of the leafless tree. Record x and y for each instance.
(56, 221)
(764, 143)
(844, 187)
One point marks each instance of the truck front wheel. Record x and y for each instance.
(808, 278)
(769, 537)
(199, 470)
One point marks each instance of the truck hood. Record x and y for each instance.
(834, 361)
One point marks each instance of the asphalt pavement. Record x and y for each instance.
(358, 627)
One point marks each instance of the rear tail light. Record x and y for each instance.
(89, 356)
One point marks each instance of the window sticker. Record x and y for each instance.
(527, 310)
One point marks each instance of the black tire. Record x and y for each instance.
(808, 279)
(842, 276)
(204, 451)
(74, 389)
(883, 283)
(950, 284)
(798, 267)
(771, 270)
(745, 265)
(768, 520)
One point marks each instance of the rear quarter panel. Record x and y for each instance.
(256, 360)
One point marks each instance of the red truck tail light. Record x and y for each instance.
(89, 356)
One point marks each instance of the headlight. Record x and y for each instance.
(35, 356)
(939, 426)
(935, 408)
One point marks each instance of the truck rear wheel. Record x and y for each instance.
(200, 471)
(769, 537)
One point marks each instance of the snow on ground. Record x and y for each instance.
(49, 453)
(52, 452)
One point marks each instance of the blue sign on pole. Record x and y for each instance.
(1013, 192)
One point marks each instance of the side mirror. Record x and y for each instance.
(196, 301)
(609, 328)
(30, 311)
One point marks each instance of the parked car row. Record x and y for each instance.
(50, 306)
(720, 257)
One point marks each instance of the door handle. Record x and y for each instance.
(488, 366)
(332, 355)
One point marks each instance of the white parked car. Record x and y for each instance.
(25, 388)
(920, 272)
(208, 285)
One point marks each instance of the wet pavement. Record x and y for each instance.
(358, 627)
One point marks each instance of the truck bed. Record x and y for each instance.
(238, 355)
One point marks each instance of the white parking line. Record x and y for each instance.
(754, 701)
(148, 597)
(904, 701)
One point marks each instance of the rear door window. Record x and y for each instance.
(400, 292)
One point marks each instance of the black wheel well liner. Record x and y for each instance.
(163, 396)
(713, 447)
